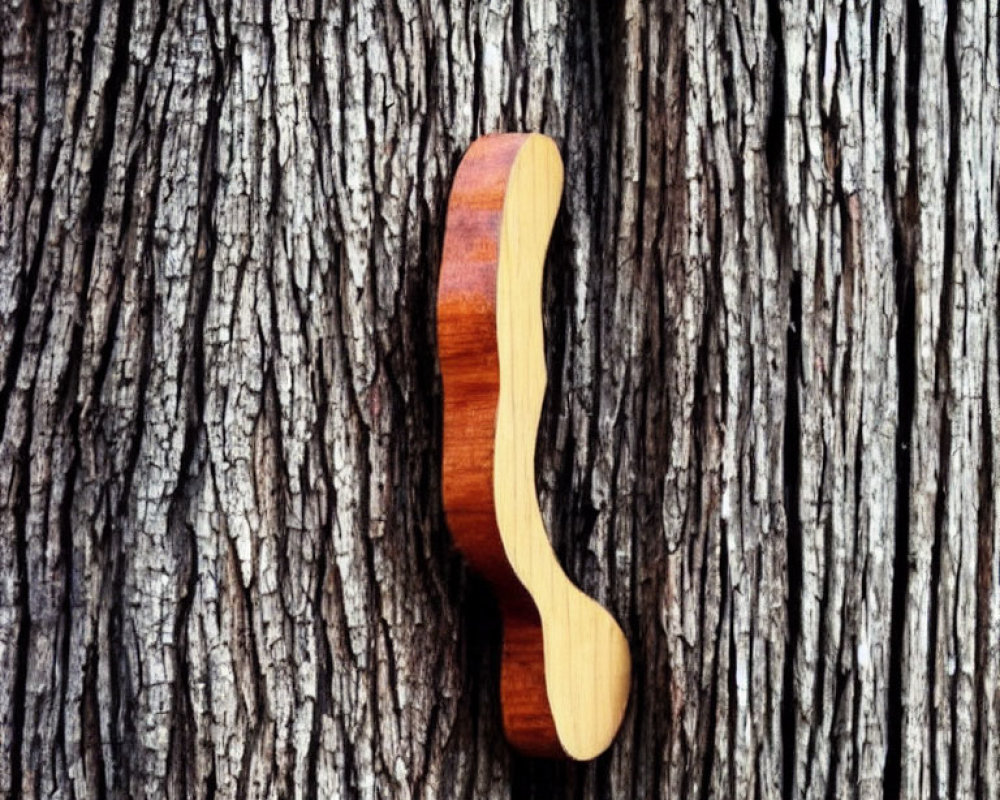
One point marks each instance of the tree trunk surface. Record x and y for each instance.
(768, 442)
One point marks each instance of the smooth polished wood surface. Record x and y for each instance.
(566, 666)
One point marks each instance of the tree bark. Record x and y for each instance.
(768, 442)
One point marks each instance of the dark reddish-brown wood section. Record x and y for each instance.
(467, 348)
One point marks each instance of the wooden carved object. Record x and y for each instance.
(566, 668)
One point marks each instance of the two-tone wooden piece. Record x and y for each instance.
(566, 669)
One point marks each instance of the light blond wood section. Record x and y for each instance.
(587, 664)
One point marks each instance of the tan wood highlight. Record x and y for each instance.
(566, 666)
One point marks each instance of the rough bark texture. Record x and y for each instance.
(768, 445)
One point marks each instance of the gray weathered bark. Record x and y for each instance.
(768, 443)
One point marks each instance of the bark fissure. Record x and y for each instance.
(904, 235)
(18, 681)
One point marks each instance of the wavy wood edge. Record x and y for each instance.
(565, 666)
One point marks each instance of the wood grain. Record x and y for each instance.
(566, 666)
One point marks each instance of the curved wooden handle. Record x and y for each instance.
(566, 668)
